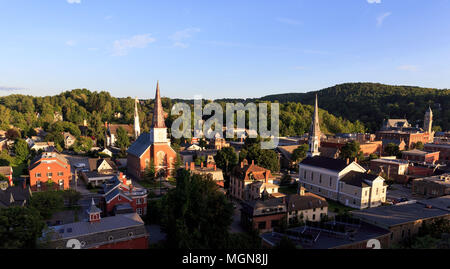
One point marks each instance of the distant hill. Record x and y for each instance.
(370, 103)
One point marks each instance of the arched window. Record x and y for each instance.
(161, 158)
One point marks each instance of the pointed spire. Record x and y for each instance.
(137, 128)
(158, 112)
(315, 126)
(314, 132)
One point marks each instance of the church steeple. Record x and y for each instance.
(428, 124)
(314, 133)
(137, 128)
(158, 112)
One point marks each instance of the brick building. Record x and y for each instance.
(120, 196)
(391, 167)
(246, 177)
(405, 220)
(153, 146)
(264, 214)
(123, 231)
(444, 151)
(49, 167)
(434, 186)
(421, 156)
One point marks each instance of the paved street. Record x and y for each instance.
(236, 225)
(398, 191)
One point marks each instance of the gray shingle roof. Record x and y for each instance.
(106, 224)
(140, 145)
(388, 216)
(357, 178)
(327, 163)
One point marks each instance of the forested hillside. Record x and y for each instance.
(370, 103)
(98, 107)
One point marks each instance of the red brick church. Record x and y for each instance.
(153, 146)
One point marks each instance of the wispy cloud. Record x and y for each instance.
(289, 21)
(179, 38)
(410, 68)
(382, 17)
(121, 47)
(70, 43)
(374, 1)
(9, 89)
(74, 1)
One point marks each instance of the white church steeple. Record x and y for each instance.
(314, 133)
(137, 128)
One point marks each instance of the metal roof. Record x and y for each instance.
(140, 145)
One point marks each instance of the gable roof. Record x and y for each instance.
(304, 202)
(140, 145)
(327, 163)
(13, 196)
(358, 179)
(95, 163)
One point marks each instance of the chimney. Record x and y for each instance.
(267, 176)
(302, 191)
(186, 166)
(106, 124)
(356, 160)
(253, 162)
(215, 167)
(348, 161)
(242, 164)
(192, 166)
(201, 165)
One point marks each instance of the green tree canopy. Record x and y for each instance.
(123, 141)
(20, 227)
(196, 214)
(47, 203)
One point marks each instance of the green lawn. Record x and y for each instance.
(149, 185)
(288, 189)
(172, 181)
(337, 207)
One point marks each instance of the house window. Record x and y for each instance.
(49, 174)
(139, 201)
(139, 211)
(314, 216)
(38, 174)
(262, 225)
(60, 174)
(119, 198)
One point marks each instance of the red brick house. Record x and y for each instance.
(120, 197)
(263, 215)
(49, 167)
(153, 146)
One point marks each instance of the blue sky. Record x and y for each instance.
(243, 48)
